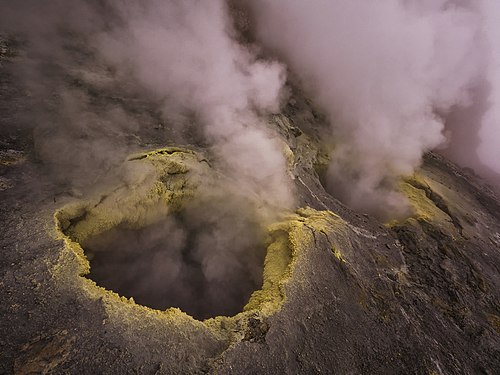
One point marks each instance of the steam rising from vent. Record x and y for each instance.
(182, 55)
(186, 54)
(90, 66)
(387, 73)
(189, 260)
(396, 78)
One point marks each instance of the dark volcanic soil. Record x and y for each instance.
(420, 296)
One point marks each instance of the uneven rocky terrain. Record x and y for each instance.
(340, 292)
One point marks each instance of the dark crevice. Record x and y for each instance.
(140, 157)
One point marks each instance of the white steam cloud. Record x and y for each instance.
(187, 54)
(490, 130)
(386, 73)
(395, 77)
(214, 88)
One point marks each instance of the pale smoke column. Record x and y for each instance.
(489, 149)
(186, 54)
(381, 71)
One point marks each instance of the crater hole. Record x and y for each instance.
(206, 260)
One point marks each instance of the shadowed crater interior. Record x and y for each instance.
(206, 260)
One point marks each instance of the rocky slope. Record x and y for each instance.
(341, 291)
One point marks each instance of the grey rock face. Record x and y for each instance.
(342, 292)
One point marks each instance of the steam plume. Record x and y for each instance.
(396, 78)
(387, 73)
(186, 53)
(186, 58)
(183, 55)
(490, 130)
(393, 76)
